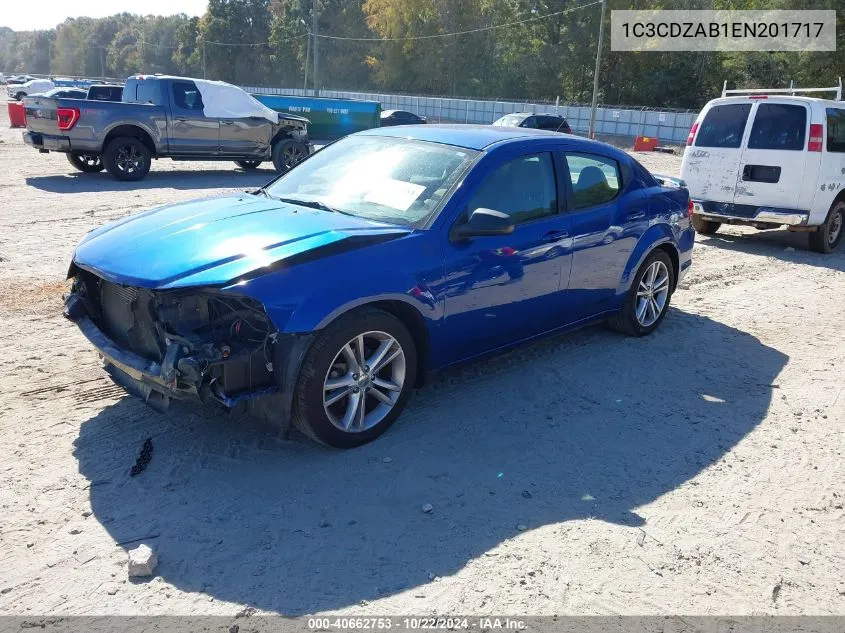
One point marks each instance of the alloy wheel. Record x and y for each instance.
(128, 159)
(292, 156)
(652, 293)
(364, 382)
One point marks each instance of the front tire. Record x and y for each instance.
(830, 234)
(127, 158)
(356, 379)
(705, 227)
(648, 298)
(287, 154)
(88, 163)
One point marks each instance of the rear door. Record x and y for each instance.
(771, 172)
(711, 163)
(191, 132)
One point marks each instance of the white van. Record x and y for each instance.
(769, 158)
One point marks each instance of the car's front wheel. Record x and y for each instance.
(287, 154)
(356, 379)
(648, 298)
(88, 163)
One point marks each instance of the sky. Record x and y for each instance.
(46, 14)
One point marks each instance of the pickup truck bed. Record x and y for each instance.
(125, 136)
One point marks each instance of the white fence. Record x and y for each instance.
(668, 126)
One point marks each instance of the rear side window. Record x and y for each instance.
(835, 130)
(723, 126)
(595, 179)
(186, 95)
(778, 126)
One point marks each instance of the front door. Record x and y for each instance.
(245, 136)
(506, 288)
(191, 132)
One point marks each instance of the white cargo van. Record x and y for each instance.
(768, 158)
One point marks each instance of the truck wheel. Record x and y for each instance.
(127, 158)
(287, 154)
(705, 227)
(248, 164)
(89, 163)
(20, 95)
(830, 234)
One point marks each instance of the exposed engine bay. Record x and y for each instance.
(195, 344)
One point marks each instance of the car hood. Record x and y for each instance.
(220, 240)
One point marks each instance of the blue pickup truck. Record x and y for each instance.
(165, 117)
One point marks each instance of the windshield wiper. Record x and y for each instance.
(311, 204)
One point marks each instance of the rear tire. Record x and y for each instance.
(127, 159)
(88, 163)
(331, 414)
(248, 165)
(830, 234)
(705, 227)
(287, 154)
(646, 304)
(20, 95)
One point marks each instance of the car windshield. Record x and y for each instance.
(380, 178)
(510, 120)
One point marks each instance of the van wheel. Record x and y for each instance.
(648, 298)
(127, 158)
(88, 163)
(355, 379)
(248, 165)
(830, 234)
(287, 154)
(705, 227)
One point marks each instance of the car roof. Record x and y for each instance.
(479, 137)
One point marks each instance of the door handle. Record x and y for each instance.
(554, 236)
(226, 122)
(636, 215)
(180, 119)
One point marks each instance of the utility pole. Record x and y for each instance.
(307, 53)
(592, 129)
(203, 58)
(314, 27)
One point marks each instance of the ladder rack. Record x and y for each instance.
(788, 91)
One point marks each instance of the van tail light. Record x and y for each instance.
(692, 132)
(690, 208)
(816, 137)
(66, 118)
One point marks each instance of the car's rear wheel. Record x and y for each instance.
(648, 298)
(287, 154)
(127, 158)
(88, 163)
(356, 379)
(705, 227)
(830, 234)
(248, 164)
(20, 95)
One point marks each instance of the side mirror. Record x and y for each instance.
(483, 222)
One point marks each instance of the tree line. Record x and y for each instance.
(407, 46)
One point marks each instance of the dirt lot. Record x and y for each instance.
(697, 471)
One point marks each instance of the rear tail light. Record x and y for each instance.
(66, 118)
(816, 137)
(690, 208)
(692, 132)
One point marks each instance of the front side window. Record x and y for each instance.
(524, 188)
(723, 126)
(380, 178)
(595, 179)
(778, 126)
(835, 130)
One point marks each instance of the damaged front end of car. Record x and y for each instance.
(199, 344)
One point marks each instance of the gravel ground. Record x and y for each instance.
(696, 471)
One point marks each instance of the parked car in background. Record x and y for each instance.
(105, 92)
(329, 293)
(31, 87)
(552, 122)
(400, 117)
(64, 93)
(19, 79)
(769, 160)
(166, 117)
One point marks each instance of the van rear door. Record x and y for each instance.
(711, 162)
(772, 168)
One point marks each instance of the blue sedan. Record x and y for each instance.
(324, 297)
